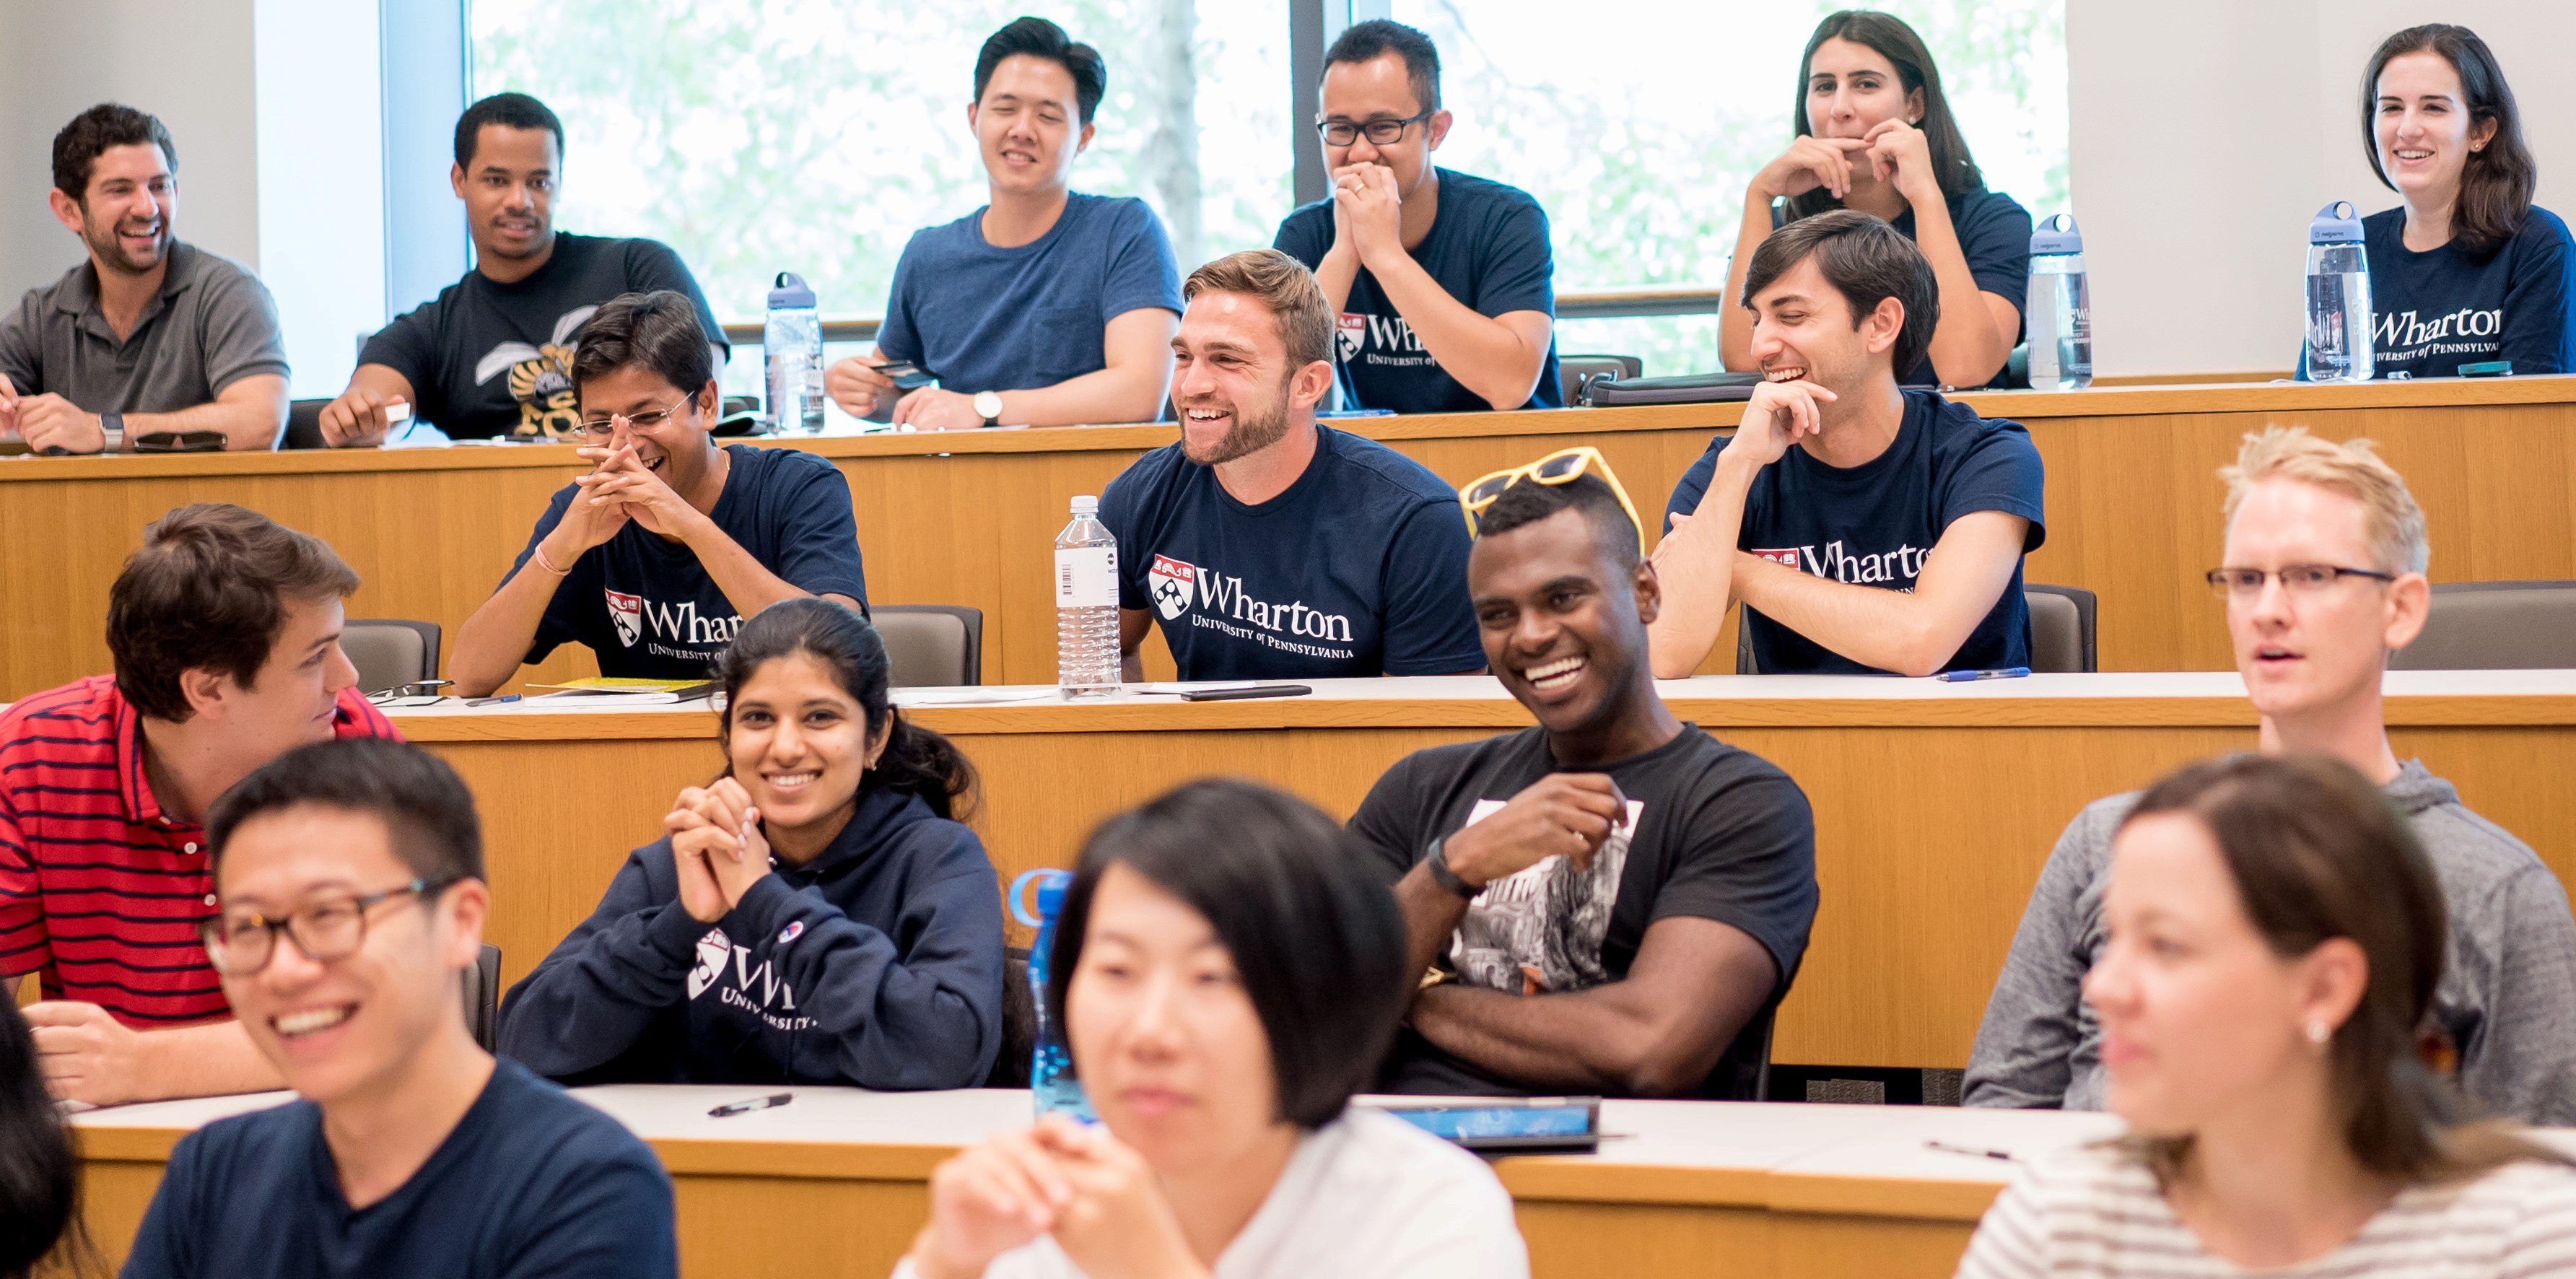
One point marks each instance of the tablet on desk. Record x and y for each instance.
(1526, 1124)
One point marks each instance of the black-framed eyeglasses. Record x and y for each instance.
(403, 694)
(1380, 133)
(602, 428)
(2298, 579)
(240, 944)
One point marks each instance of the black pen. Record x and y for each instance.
(1946, 1148)
(746, 1107)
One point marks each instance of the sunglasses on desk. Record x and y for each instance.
(1559, 467)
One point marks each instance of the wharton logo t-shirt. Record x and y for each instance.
(2434, 311)
(648, 610)
(1358, 569)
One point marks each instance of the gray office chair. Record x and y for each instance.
(1575, 372)
(390, 651)
(2495, 626)
(932, 645)
(2061, 632)
(480, 989)
(1019, 1023)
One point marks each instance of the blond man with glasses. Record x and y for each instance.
(2322, 578)
(349, 895)
(655, 557)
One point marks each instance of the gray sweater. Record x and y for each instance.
(2508, 992)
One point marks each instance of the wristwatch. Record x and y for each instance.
(111, 430)
(988, 406)
(1437, 862)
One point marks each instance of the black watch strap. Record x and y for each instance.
(1437, 862)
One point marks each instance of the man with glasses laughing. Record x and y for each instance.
(350, 883)
(654, 559)
(1443, 282)
(2323, 578)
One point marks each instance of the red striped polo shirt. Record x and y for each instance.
(100, 891)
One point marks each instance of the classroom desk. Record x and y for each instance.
(1935, 803)
(836, 1182)
(966, 517)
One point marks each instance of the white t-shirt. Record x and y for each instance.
(1366, 1196)
(2095, 1212)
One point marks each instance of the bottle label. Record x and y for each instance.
(1086, 577)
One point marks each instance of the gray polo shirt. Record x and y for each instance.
(211, 325)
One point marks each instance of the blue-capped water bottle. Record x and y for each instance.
(1052, 1083)
(2338, 347)
(791, 346)
(2061, 308)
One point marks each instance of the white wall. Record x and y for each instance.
(321, 181)
(2205, 134)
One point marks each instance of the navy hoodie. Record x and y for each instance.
(879, 964)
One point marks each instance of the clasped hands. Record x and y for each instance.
(48, 421)
(716, 847)
(1094, 1194)
(1894, 150)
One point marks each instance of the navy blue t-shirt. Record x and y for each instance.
(531, 1184)
(1994, 236)
(648, 610)
(1359, 569)
(2434, 311)
(981, 318)
(1874, 524)
(1487, 248)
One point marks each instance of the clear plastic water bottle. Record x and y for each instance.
(1086, 604)
(1053, 1086)
(791, 345)
(2338, 348)
(2061, 308)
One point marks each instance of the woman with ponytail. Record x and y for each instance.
(814, 916)
(2274, 935)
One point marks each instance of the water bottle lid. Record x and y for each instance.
(1051, 885)
(2337, 223)
(1086, 505)
(791, 292)
(2049, 237)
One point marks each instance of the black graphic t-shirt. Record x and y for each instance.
(2434, 311)
(647, 608)
(1488, 248)
(1359, 569)
(1874, 524)
(488, 359)
(1713, 833)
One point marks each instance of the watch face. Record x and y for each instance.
(988, 405)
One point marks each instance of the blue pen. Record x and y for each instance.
(492, 701)
(1962, 677)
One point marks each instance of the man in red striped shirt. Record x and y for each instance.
(225, 631)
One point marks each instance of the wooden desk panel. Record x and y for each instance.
(965, 518)
(1933, 816)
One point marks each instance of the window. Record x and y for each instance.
(1640, 148)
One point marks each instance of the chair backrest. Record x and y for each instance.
(2061, 632)
(389, 651)
(303, 425)
(2495, 626)
(931, 645)
(1019, 1023)
(1574, 372)
(2061, 629)
(480, 988)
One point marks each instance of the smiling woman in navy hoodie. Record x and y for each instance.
(812, 917)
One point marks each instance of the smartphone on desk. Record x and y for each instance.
(1237, 694)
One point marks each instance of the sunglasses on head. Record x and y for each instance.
(1559, 467)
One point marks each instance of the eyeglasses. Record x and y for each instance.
(1559, 467)
(602, 428)
(240, 945)
(2298, 579)
(1381, 132)
(407, 694)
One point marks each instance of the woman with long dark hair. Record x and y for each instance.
(39, 1176)
(1874, 133)
(2466, 269)
(2274, 938)
(816, 915)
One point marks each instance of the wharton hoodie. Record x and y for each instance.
(2507, 996)
(878, 964)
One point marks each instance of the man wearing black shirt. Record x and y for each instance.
(349, 894)
(1616, 901)
(492, 354)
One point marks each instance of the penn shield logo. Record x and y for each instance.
(1171, 583)
(627, 613)
(1788, 556)
(1350, 333)
(713, 950)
